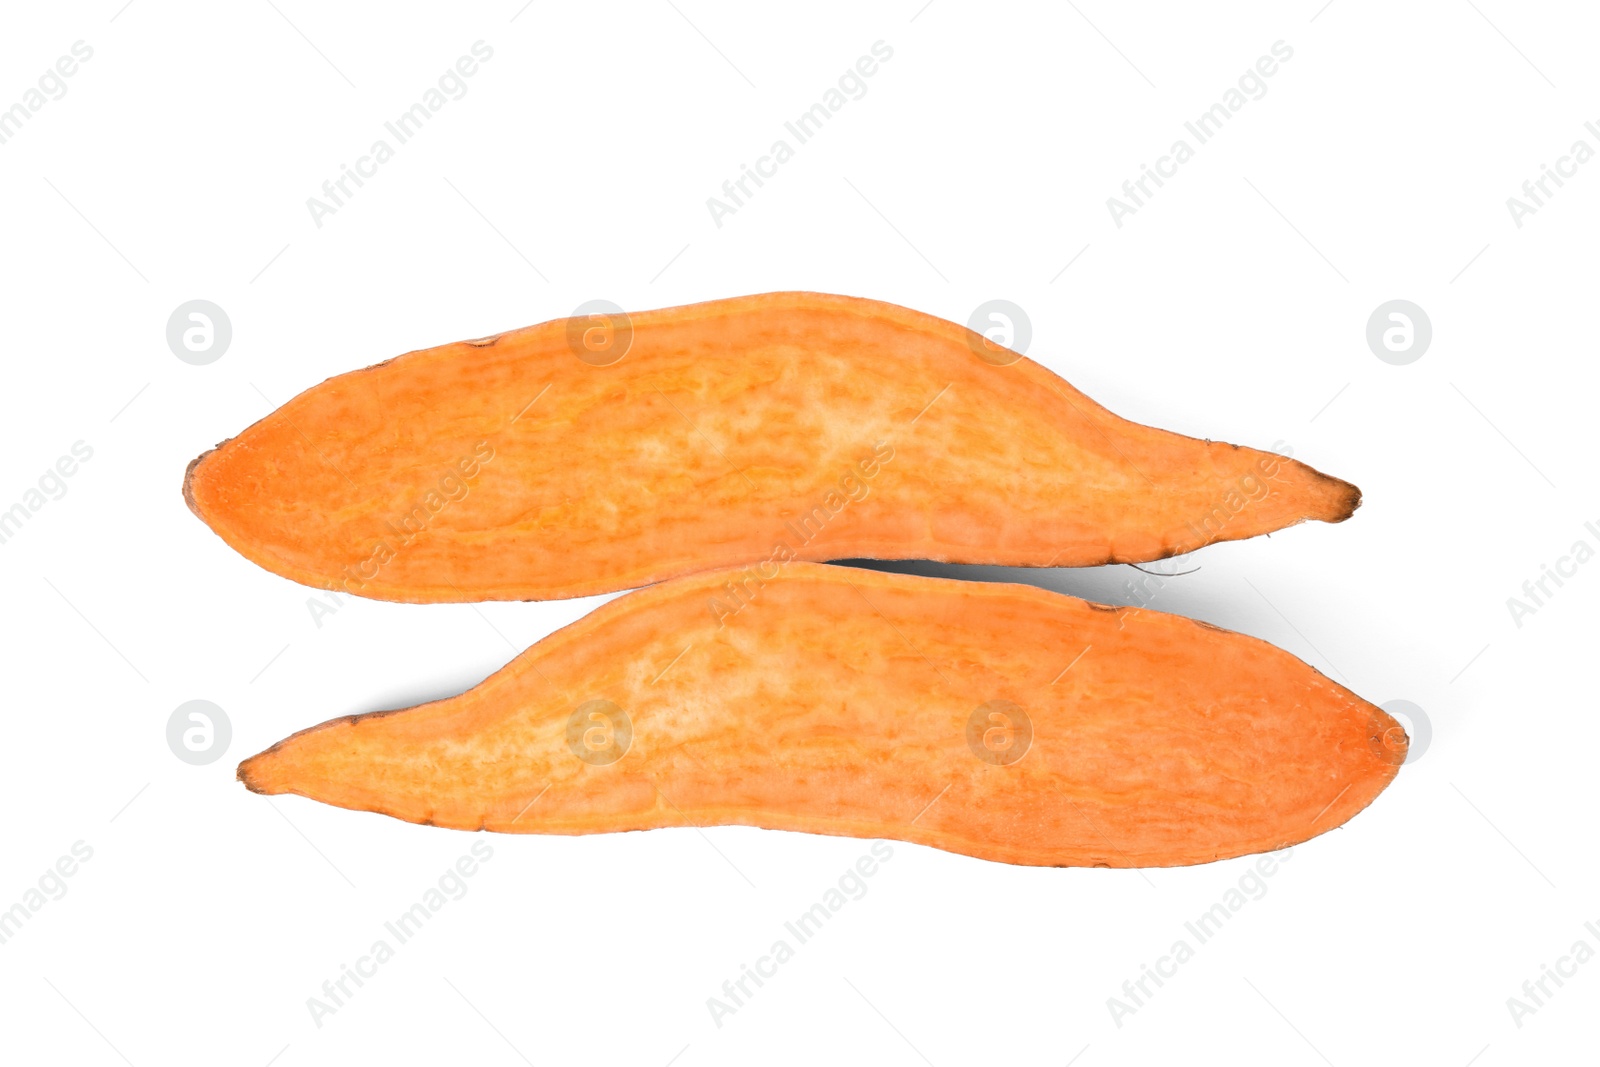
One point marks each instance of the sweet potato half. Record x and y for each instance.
(999, 721)
(585, 456)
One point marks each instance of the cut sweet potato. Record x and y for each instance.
(1000, 721)
(521, 468)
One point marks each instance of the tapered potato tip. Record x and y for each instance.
(1343, 499)
(312, 752)
(257, 772)
(247, 774)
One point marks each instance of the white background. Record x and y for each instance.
(577, 166)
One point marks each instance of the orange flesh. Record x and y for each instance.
(511, 469)
(833, 700)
